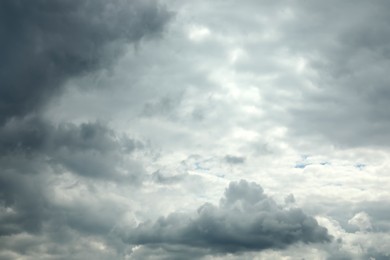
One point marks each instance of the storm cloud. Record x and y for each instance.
(88, 149)
(44, 43)
(122, 122)
(245, 220)
(346, 64)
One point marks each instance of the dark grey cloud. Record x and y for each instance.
(42, 163)
(231, 159)
(160, 177)
(32, 152)
(23, 197)
(290, 199)
(44, 43)
(64, 187)
(345, 45)
(90, 149)
(35, 224)
(245, 220)
(373, 254)
(340, 90)
(163, 107)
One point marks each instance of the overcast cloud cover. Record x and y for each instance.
(145, 129)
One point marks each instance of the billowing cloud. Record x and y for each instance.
(245, 220)
(50, 172)
(90, 149)
(44, 43)
(34, 153)
(111, 136)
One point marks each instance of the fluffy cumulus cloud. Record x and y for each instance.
(123, 121)
(245, 220)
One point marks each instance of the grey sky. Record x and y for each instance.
(194, 129)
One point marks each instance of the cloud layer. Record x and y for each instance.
(44, 43)
(45, 165)
(245, 220)
(122, 122)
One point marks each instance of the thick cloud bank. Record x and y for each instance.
(115, 128)
(91, 149)
(45, 42)
(350, 59)
(50, 202)
(245, 220)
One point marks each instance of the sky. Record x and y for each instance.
(145, 129)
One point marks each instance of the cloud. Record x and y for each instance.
(90, 149)
(231, 159)
(34, 153)
(51, 172)
(44, 43)
(362, 221)
(231, 88)
(344, 86)
(245, 220)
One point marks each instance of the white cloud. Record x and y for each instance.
(198, 33)
(362, 221)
